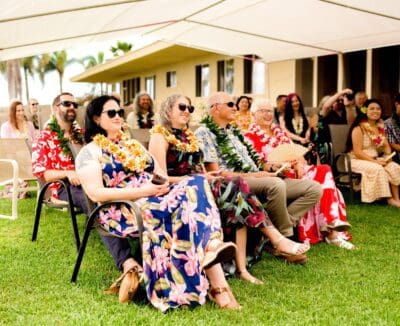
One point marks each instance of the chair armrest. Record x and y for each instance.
(15, 168)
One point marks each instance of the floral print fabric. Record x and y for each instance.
(177, 228)
(331, 205)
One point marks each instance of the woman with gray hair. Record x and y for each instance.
(176, 149)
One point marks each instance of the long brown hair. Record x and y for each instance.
(12, 113)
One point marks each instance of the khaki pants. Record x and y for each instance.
(287, 199)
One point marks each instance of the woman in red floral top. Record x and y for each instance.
(327, 219)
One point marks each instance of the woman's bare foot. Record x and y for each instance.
(286, 247)
(393, 202)
(245, 275)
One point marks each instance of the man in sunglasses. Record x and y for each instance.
(226, 150)
(52, 160)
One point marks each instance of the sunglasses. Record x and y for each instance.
(112, 113)
(68, 104)
(229, 104)
(35, 104)
(183, 107)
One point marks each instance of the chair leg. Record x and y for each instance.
(82, 249)
(73, 218)
(39, 205)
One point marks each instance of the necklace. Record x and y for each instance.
(129, 152)
(228, 152)
(190, 147)
(76, 135)
(297, 125)
(376, 138)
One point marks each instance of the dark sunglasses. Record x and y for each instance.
(112, 113)
(183, 107)
(68, 104)
(35, 104)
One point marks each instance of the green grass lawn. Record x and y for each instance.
(335, 287)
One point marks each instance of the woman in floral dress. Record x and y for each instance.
(175, 147)
(182, 227)
(327, 219)
(369, 151)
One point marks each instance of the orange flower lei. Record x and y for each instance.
(190, 147)
(129, 152)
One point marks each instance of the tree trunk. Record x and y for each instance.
(61, 82)
(14, 80)
(26, 85)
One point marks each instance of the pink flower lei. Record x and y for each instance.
(377, 139)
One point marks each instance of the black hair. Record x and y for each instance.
(280, 96)
(249, 100)
(94, 109)
(360, 117)
(289, 114)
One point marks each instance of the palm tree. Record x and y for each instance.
(91, 61)
(12, 70)
(28, 65)
(121, 48)
(42, 66)
(58, 61)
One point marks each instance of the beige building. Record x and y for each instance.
(163, 69)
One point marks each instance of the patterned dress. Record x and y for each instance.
(375, 178)
(331, 205)
(177, 228)
(237, 205)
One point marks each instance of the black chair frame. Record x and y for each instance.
(72, 210)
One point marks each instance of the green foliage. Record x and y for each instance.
(121, 48)
(336, 287)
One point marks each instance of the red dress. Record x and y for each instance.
(331, 206)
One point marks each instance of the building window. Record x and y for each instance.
(253, 75)
(202, 80)
(354, 71)
(171, 78)
(327, 75)
(304, 80)
(225, 75)
(150, 84)
(130, 88)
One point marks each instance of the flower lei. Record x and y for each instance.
(190, 147)
(297, 126)
(228, 152)
(279, 137)
(76, 135)
(129, 152)
(377, 139)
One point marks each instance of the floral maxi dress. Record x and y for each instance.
(177, 228)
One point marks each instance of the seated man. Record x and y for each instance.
(226, 150)
(392, 129)
(52, 160)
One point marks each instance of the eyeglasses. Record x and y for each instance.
(265, 111)
(229, 104)
(68, 104)
(34, 104)
(112, 113)
(183, 107)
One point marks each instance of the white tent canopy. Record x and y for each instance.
(272, 29)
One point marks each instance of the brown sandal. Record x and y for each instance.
(126, 285)
(219, 253)
(232, 304)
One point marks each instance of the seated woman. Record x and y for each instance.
(182, 236)
(175, 147)
(242, 116)
(369, 151)
(325, 220)
(17, 126)
(296, 124)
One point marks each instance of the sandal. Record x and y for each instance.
(220, 253)
(250, 279)
(232, 304)
(296, 248)
(296, 259)
(341, 243)
(126, 285)
(338, 225)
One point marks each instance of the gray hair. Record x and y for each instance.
(259, 102)
(166, 108)
(137, 99)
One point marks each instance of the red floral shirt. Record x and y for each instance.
(47, 155)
